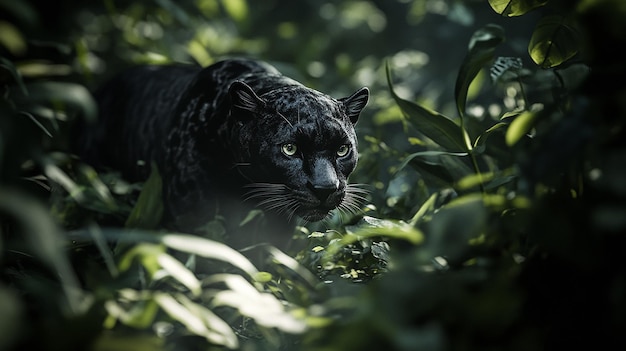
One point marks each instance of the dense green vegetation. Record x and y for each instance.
(493, 148)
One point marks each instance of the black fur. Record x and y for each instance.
(220, 133)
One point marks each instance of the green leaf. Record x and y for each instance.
(264, 308)
(252, 215)
(474, 180)
(186, 316)
(140, 315)
(56, 174)
(122, 340)
(45, 241)
(17, 77)
(36, 122)
(22, 11)
(553, 41)
(412, 156)
(481, 52)
(443, 168)
(520, 126)
(433, 173)
(12, 39)
(219, 331)
(450, 228)
(148, 254)
(435, 126)
(374, 227)
(512, 8)
(428, 205)
(148, 210)
(236, 9)
(263, 277)
(481, 142)
(289, 262)
(178, 271)
(96, 193)
(73, 96)
(209, 249)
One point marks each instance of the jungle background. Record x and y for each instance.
(493, 149)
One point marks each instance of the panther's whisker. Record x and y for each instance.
(358, 188)
(357, 191)
(347, 209)
(264, 190)
(275, 205)
(285, 118)
(356, 197)
(353, 208)
(292, 212)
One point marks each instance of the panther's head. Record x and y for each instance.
(298, 147)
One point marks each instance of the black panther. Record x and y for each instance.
(235, 131)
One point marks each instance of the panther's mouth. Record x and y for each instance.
(288, 203)
(315, 215)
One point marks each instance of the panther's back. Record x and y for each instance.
(134, 114)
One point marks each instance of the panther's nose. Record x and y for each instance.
(322, 192)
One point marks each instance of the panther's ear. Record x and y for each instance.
(243, 97)
(355, 103)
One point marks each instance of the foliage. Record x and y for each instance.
(496, 211)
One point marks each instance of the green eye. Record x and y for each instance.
(343, 150)
(289, 149)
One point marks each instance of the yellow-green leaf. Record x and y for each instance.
(553, 41)
(520, 126)
(12, 39)
(209, 249)
(263, 277)
(178, 271)
(512, 8)
(236, 9)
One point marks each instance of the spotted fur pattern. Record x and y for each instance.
(220, 133)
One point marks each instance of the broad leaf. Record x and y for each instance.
(146, 252)
(15, 74)
(187, 316)
(141, 314)
(481, 52)
(219, 331)
(553, 42)
(266, 309)
(148, 210)
(374, 227)
(512, 8)
(451, 228)
(444, 168)
(209, 249)
(289, 262)
(520, 126)
(480, 144)
(427, 206)
(71, 96)
(489, 180)
(43, 240)
(435, 126)
(178, 271)
(236, 9)
(409, 158)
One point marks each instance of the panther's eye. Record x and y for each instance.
(289, 149)
(343, 150)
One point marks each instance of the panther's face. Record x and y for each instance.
(299, 147)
